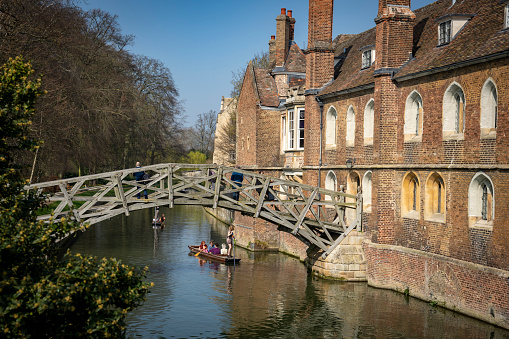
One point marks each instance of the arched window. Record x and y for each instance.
(453, 116)
(481, 201)
(410, 196)
(489, 109)
(366, 191)
(330, 131)
(413, 117)
(350, 126)
(330, 183)
(369, 117)
(352, 184)
(435, 198)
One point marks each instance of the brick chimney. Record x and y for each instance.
(284, 22)
(320, 56)
(319, 71)
(394, 33)
(394, 40)
(272, 50)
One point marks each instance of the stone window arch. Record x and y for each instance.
(330, 131)
(453, 115)
(413, 117)
(330, 183)
(435, 198)
(489, 109)
(410, 196)
(350, 127)
(481, 201)
(369, 117)
(367, 184)
(352, 184)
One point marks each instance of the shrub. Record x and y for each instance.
(43, 294)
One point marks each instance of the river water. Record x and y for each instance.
(267, 295)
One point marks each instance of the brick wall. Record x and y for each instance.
(247, 121)
(476, 290)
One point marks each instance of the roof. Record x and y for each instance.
(482, 36)
(296, 60)
(266, 87)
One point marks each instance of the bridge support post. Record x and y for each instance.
(170, 185)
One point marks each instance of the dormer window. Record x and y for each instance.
(368, 56)
(444, 32)
(450, 25)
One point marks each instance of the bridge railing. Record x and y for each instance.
(315, 215)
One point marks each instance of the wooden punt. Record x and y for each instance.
(219, 257)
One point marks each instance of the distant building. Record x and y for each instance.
(419, 104)
(222, 154)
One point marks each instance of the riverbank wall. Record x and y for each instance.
(476, 290)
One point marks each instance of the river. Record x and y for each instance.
(267, 295)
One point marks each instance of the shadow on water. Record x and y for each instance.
(268, 295)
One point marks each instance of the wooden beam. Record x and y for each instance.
(121, 194)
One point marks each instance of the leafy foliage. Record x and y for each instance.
(105, 107)
(42, 294)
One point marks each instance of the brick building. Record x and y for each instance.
(420, 105)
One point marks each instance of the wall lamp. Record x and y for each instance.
(350, 163)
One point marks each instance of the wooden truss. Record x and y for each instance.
(315, 215)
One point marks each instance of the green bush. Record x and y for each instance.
(41, 293)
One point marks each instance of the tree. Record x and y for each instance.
(105, 108)
(44, 295)
(204, 130)
(260, 60)
(226, 136)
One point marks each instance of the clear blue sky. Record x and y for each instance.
(203, 42)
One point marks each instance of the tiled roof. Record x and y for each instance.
(296, 60)
(350, 73)
(482, 36)
(266, 86)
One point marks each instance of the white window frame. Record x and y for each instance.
(489, 109)
(506, 16)
(444, 32)
(330, 128)
(413, 117)
(475, 201)
(295, 129)
(369, 118)
(350, 127)
(301, 114)
(452, 127)
(291, 130)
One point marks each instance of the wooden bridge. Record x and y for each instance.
(315, 215)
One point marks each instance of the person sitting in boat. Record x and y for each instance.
(211, 245)
(215, 250)
(203, 245)
(205, 249)
(224, 250)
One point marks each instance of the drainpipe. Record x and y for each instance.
(320, 162)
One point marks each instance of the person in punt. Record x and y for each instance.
(215, 250)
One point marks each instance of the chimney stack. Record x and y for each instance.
(394, 33)
(272, 50)
(285, 24)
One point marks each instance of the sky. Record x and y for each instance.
(202, 42)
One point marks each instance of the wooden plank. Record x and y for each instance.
(305, 211)
(218, 186)
(170, 185)
(121, 194)
(261, 198)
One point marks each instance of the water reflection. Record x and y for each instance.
(268, 295)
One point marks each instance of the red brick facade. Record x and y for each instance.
(436, 165)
